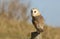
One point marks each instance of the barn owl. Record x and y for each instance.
(37, 20)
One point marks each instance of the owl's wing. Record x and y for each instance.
(36, 25)
(33, 22)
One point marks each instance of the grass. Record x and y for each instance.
(12, 29)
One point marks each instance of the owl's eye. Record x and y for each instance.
(34, 11)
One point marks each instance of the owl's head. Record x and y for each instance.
(35, 12)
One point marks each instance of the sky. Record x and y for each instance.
(50, 10)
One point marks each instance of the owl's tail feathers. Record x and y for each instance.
(40, 30)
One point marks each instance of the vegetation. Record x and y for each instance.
(14, 23)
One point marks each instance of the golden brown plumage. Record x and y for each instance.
(37, 20)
